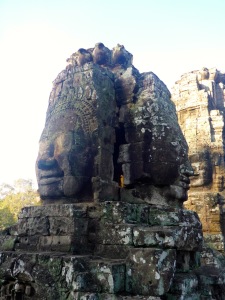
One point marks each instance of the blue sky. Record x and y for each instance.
(168, 37)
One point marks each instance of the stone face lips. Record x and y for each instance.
(199, 100)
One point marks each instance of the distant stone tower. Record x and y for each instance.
(199, 99)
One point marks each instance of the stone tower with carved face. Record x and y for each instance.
(113, 173)
(199, 99)
(106, 120)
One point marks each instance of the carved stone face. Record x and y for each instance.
(150, 149)
(178, 190)
(78, 139)
(201, 163)
(171, 161)
(64, 163)
(156, 153)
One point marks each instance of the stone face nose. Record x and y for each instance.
(46, 158)
(45, 164)
(187, 169)
(188, 172)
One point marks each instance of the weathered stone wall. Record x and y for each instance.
(199, 100)
(113, 248)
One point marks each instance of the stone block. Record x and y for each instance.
(55, 243)
(210, 276)
(105, 162)
(112, 251)
(209, 227)
(33, 226)
(129, 153)
(95, 296)
(140, 298)
(122, 212)
(80, 263)
(179, 237)
(213, 226)
(27, 243)
(164, 216)
(66, 243)
(195, 296)
(130, 196)
(66, 225)
(115, 234)
(129, 212)
(153, 236)
(109, 275)
(24, 264)
(189, 238)
(214, 240)
(60, 225)
(187, 260)
(143, 214)
(167, 216)
(54, 210)
(150, 271)
(119, 212)
(81, 245)
(48, 264)
(105, 191)
(131, 133)
(84, 282)
(184, 284)
(132, 171)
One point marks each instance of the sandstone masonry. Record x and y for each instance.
(199, 99)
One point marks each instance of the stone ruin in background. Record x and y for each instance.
(113, 173)
(199, 99)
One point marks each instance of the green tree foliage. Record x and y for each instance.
(5, 189)
(6, 218)
(19, 195)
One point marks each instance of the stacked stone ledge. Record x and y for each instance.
(122, 243)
